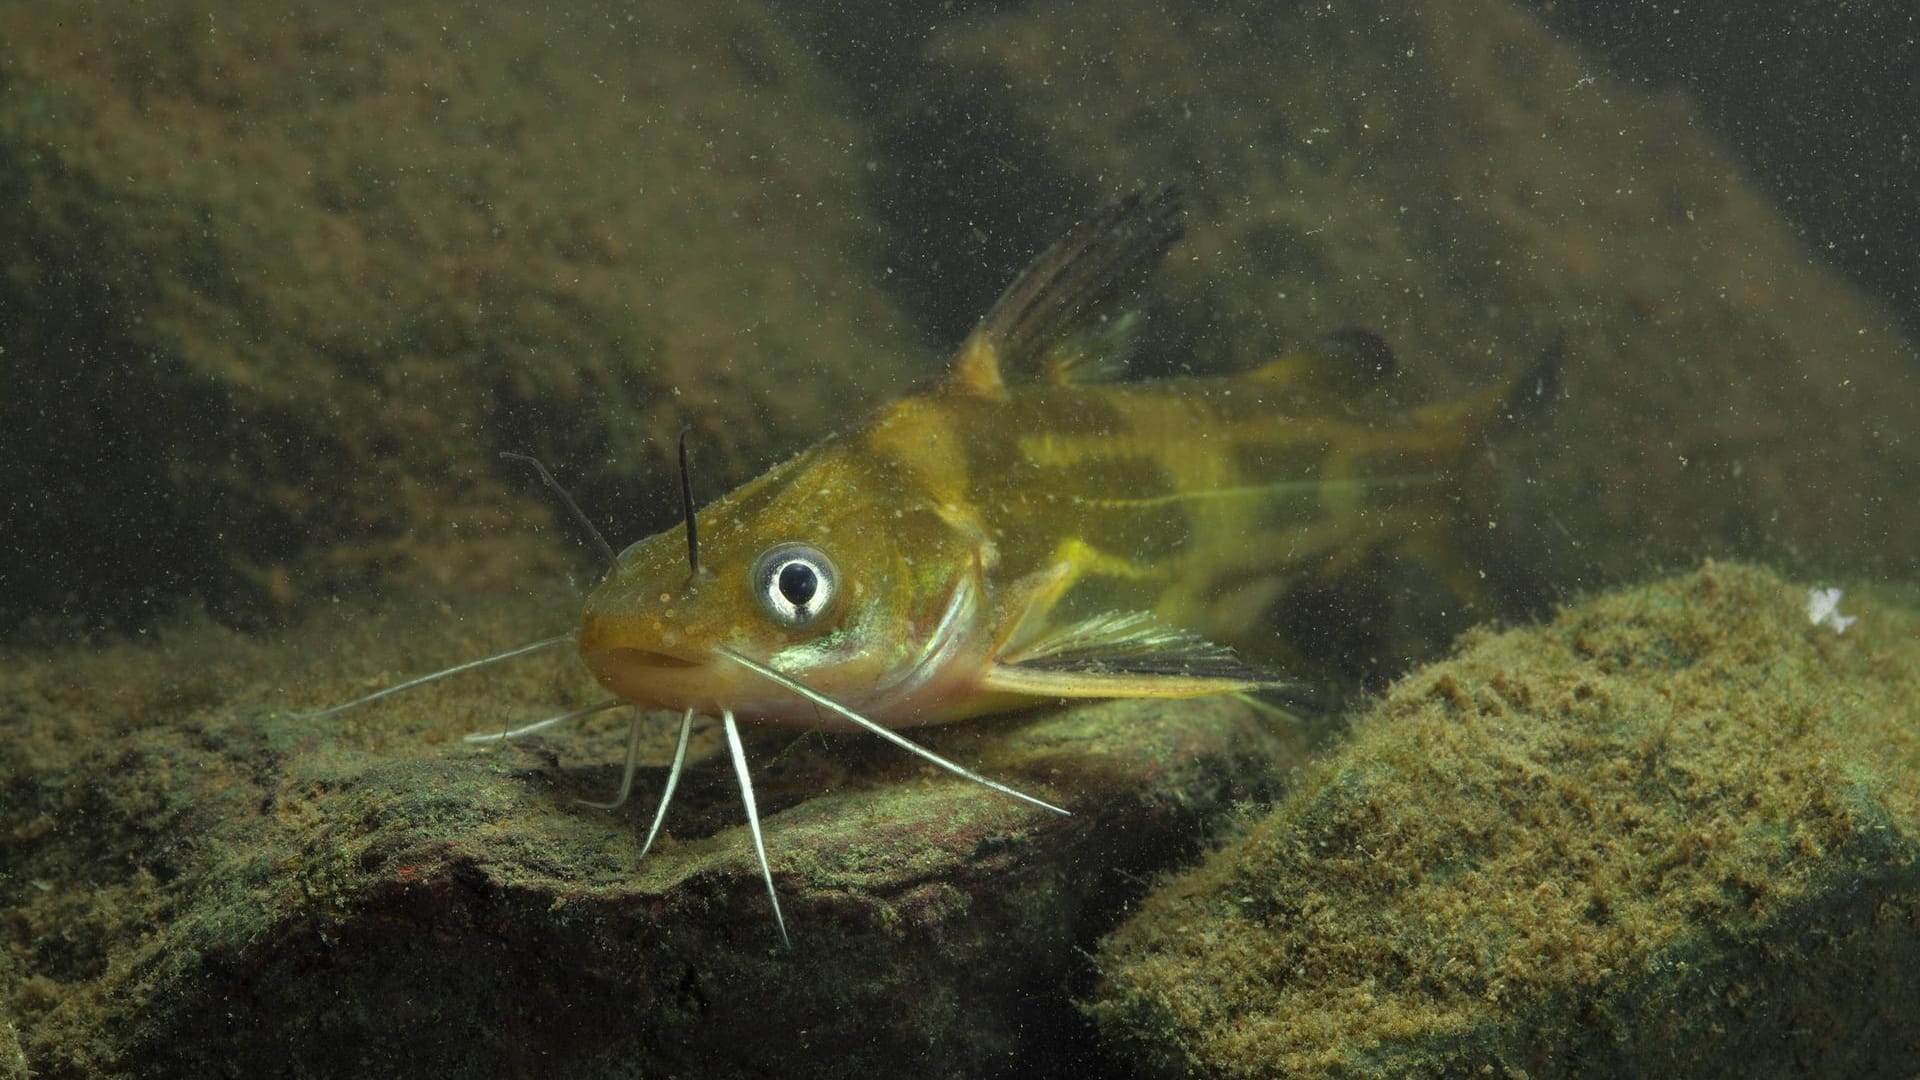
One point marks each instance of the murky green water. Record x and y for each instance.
(281, 287)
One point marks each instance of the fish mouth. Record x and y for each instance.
(628, 657)
(653, 679)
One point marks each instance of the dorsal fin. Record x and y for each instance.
(1065, 316)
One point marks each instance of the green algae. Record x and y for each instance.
(1676, 831)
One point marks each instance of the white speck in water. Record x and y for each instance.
(1823, 609)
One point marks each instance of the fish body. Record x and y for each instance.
(1026, 530)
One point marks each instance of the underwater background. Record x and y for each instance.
(281, 285)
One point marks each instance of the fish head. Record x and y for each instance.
(825, 569)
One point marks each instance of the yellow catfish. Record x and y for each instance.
(1022, 532)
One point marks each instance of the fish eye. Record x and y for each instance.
(793, 583)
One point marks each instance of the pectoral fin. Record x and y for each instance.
(1123, 655)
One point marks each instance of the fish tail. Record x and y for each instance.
(1478, 424)
(1476, 441)
(1498, 489)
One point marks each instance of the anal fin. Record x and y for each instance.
(1041, 682)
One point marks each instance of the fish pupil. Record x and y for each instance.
(798, 583)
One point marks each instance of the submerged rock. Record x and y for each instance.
(201, 884)
(13, 1063)
(1674, 832)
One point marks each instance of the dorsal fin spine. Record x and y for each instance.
(1075, 285)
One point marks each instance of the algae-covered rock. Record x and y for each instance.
(13, 1062)
(1676, 832)
(200, 884)
(1481, 193)
(280, 283)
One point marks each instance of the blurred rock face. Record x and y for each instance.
(1474, 189)
(282, 285)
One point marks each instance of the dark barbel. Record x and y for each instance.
(579, 517)
(686, 500)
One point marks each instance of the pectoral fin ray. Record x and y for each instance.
(1123, 654)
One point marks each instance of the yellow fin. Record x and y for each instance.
(1046, 683)
(1065, 316)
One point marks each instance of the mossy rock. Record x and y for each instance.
(1675, 832)
(199, 883)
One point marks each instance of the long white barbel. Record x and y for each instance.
(435, 676)
(886, 733)
(542, 725)
(633, 762)
(753, 817)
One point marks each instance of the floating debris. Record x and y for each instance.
(1823, 609)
